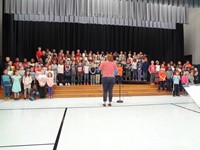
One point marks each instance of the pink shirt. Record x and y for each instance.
(184, 79)
(50, 82)
(108, 68)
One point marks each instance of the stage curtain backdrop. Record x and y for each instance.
(21, 39)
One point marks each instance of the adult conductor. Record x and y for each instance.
(108, 80)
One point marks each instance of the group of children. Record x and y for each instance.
(17, 83)
(37, 76)
(173, 77)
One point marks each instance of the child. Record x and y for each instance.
(152, 71)
(32, 74)
(42, 79)
(67, 73)
(169, 74)
(10, 71)
(139, 69)
(191, 78)
(196, 76)
(16, 88)
(6, 83)
(156, 77)
(127, 68)
(27, 80)
(119, 73)
(79, 73)
(33, 93)
(73, 74)
(184, 80)
(92, 74)
(54, 67)
(134, 70)
(86, 70)
(49, 69)
(60, 71)
(176, 80)
(50, 84)
(145, 69)
(98, 74)
(162, 79)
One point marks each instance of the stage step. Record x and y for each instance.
(96, 91)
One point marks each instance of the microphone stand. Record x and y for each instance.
(120, 89)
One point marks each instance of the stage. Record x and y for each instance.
(78, 91)
(141, 122)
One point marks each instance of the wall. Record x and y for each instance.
(1, 23)
(192, 35)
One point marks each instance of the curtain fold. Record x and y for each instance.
(143, 13)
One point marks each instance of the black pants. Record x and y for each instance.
(60, 78)
(175, 90)
(67, 79)
(118, 79)
(42, 91)
(108, 84)
(169, 84)
(161, 85)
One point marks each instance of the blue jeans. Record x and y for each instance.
(86, 78)
(139, 74)
(145, 75)
(169, 84)
(92, 79)
(175, 89)
(7, 91)
(134, 74)
(108, 84)
(80, 78)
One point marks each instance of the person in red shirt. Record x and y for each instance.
(187, 65)
(16, 63)
(78, 54)
(39, 53)
(25, 63)
(152, 71)
(162, 78)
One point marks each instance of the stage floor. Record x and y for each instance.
(141, 123)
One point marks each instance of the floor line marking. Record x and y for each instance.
(60, 130)
(186, 108)
(153, 104)
(26, 145)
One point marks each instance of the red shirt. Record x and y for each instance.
(152, 68)
(39, 54)
(15, 64)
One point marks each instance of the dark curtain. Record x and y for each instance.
(21, 39)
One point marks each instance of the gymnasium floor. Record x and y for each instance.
(140, 123)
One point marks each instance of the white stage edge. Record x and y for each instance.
(194, 92)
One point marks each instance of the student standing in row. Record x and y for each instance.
(176, 80)
(16, 88)
(42, 79)
(50, 83)
(6, 83)
(27, 80)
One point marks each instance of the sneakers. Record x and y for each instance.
(60, 84)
